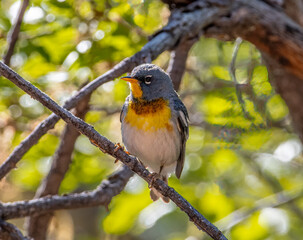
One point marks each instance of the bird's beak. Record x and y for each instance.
(129, 79)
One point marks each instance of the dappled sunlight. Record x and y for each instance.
(151, 214)
(288, 150)
(276, 219)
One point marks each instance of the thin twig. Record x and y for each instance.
(108, 110)
(177, 63)
(9, 231)
(232, 72)
(109, 147)
(167, 38)
(14, 33)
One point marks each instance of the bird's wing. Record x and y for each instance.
(182, 124)
(124, 109)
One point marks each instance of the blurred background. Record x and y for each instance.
(243, 168)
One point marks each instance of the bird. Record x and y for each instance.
(154, 123)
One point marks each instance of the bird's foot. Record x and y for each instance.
(97, 145)
(117, 147)
(154, 177)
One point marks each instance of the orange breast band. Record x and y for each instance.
(149, 115)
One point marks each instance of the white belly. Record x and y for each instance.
(153, 148)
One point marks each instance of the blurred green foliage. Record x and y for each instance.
(233, 159)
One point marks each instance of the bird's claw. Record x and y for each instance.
(118, 147)
(154, 177)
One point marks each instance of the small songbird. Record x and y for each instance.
(154, 123)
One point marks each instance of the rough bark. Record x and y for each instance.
(294, 9)
(10, 232)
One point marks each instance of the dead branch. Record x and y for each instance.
(108, 147)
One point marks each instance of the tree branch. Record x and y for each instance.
(108, 147)
(181, 24)
(9, 231)
(177, 63)
(232, 73)
(107, 110)
(102, 195)
(37, 225)
(288, 85)
(294, 9)
(14, 33)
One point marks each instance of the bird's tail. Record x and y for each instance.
(155, 195)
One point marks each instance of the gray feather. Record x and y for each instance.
(182, 123)
(124, 109)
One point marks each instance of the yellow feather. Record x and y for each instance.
(136, 89)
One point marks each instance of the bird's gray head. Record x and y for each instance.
(149, 82)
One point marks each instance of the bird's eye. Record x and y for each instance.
(148, 79)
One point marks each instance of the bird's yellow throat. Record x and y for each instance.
(136, 89)
(149, 115)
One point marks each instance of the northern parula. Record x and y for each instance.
(154, 123)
